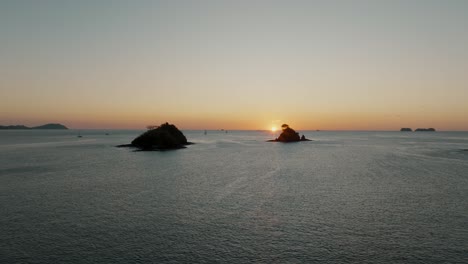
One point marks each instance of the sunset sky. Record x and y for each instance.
(330, 65)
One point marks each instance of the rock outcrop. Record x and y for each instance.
(289, 135)
(406, 129)
(163, 137)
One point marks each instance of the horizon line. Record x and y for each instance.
(268, 130)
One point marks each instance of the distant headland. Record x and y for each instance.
(46, 126)
(289, 135)
(407, 129)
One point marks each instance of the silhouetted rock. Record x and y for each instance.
(46, 126)
(163, 137)
(289, 135)
(406, 129)
(425, 129)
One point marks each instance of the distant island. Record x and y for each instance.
(163, 137)
(46, 126)
(425, 129)
(407, 129)
(289, 135)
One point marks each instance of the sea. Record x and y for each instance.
(232, 197)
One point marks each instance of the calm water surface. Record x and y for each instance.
(346, 197)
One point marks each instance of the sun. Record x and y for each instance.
(273, 129)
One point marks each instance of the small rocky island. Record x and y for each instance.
(163, 137)
(425, 129)
(406, 129)
(289, 135)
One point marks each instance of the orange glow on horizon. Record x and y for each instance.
(139, 119)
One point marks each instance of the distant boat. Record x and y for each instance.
(79, 134)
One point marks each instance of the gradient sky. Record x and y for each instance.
(351, 65)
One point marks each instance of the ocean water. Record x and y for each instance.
(346, 197)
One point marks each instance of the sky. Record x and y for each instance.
(329, 65)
